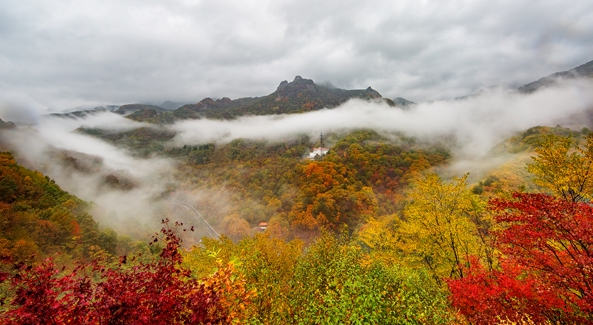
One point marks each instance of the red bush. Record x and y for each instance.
(546, 269)
(160, 292)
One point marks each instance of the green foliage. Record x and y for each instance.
(142, 141)
(334, 284)
(333, 281)
(532, 137)
(194, 154)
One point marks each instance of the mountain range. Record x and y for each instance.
(298, 96)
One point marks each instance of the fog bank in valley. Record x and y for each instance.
(124, 188)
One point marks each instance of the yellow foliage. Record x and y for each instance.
(278, 227)
(231, 288)
(444, 225)
(383, 240)
(261, 263)
(564, 168)
(235, 226)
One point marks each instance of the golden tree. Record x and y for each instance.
(564, 167)
(444, 225)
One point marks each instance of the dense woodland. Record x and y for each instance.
(366, 234)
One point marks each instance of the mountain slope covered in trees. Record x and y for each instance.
(39, 219)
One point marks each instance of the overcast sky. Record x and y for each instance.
(59, 54)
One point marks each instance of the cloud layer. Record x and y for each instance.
(57, 55)
(477, 123)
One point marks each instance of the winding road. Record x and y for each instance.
(199, 217)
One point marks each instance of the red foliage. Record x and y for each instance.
(150, 293)
(489, 297)
(546, 269)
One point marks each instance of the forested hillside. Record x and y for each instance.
(39, 219)
(442, 255)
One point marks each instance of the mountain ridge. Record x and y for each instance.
(299, 96)
(583, 70)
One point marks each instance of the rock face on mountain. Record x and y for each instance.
(293, 89)
(585, 70)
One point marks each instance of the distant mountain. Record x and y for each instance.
(585, 70)
(6, 125)
(139, 112)
(300, 95)
(402, 102)
(111, 108)
(134, 111)
(83, 113)
(220, 108)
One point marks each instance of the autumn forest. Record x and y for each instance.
(384, 226)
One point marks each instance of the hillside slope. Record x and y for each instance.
(584, 70)
(38, 218)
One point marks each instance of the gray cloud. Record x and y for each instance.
(63, 54)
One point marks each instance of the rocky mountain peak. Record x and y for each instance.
(291, 89)
(373, 93)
